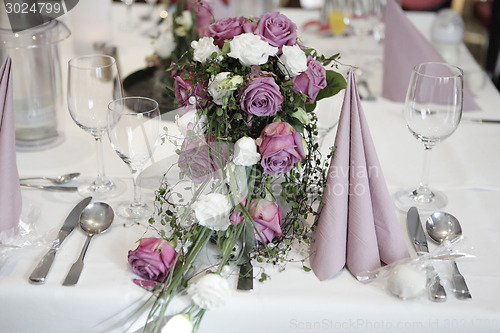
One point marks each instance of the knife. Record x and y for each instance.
(52, 188)
(245, 279)
(41, 270)
(417, 237)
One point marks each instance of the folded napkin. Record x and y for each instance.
(10, 191)
(357, 225)
(404, 48)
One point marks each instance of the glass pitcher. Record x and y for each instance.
(37, 82)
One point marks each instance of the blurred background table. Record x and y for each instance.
(465, 168)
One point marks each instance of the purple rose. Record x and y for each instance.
(277, 30)
(267, 217)
(261, 97)
(312, 80)
(153, 259)
(184, 90)
(281, 147)
(227, 28)
(202, 159)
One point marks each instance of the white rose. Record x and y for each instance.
(250, 49)
(212, 211)
(186, 20)
(245, 152)
(294, 60)
(191, 121)
(180, 323)
(221, 86)
(204, 48)
(209, 291)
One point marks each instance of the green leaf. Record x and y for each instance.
(336, 83)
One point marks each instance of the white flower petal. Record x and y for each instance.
(212, 211)
(251, 50)
(209, 291)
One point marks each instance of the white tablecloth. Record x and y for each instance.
(465, 167)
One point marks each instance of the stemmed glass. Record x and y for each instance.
(433, 110)
(93, 82)
(149, 16)
(128, 25)
(134, 132)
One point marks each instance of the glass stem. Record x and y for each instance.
(423, 193)
(137, 192)
(101, 176)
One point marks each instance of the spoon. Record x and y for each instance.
(63, 179)
(441, 226)
(95, 218)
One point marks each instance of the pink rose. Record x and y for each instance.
(281, 147)
(312, 80)
(237, 216)
(202, 159)
(227, 28)
(261, 97)
(204, 15)
(267, 217)
(184, 90)
(277, 30)
(153, 259)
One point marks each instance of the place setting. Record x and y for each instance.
(277, 176)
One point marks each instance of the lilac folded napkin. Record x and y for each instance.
(357, 226)
(404, 48)
(10, 191)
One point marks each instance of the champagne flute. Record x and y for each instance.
(134, 133)
(433, 110)
(93, 82)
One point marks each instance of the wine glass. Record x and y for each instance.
(149, 15)
(93, 82)
(134, 133)
(433, 110)
(129, 24)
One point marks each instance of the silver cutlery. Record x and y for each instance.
(481, 121)
(63, 179)
(95, 218)
(441, 226)
(40, 272)
(419, 241)
(52, 188)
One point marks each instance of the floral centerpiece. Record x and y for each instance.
(249, 171)
(186, 21)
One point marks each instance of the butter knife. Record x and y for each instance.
(419, 241)
(40, 272)
(52, 188)
(245, 279)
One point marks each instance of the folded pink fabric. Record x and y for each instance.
(357, 226)
(10, 191)
(404, 48)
